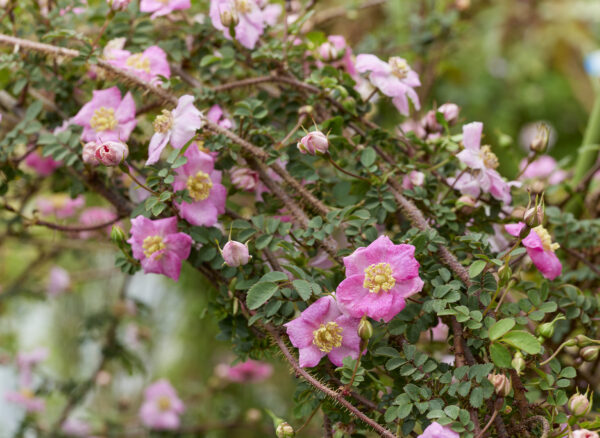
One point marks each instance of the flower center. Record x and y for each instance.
(399, 66)
(153, 244)
(379, 277)
(546, 239)
(138, 62)
(164, 403)
(27, 393)
(489, 158)
(243, 6)
(164, 122)
(103, 119)
(328, 336)
(199, 186)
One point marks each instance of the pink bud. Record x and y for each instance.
(313, 142)
(328, 52)
(501, 383)
(118, 5)
(235, 254)
(413, 179)
(89, 153)
(450, 112)
(579, 405)
(111, 153)
(430, 122)
(244, 178)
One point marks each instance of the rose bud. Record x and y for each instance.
(430, 122)
(365, 329)
(229, 18)
(589, 354)
(518, 363)
(579, 405)
(313, 142)
(89, 153)
(328, 52)
(118, 5)
(284, 430)
(450, 112)
(111, 153)
(235, 254)
(583, 341)
(540, 141)
(501, 383)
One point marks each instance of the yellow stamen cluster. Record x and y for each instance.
(328, 336)
(153, 244)
(399, 66)
(27, 393)
(546, 239)
(379, 277)
(138, 62)
(164, 122)
(164, 403)
(103, 119)
(489, 158)
(243, 6)
(199, 186)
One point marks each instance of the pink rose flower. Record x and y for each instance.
(247, 16)
(159, 246)
(251, 371)
(313, 143)
(235, 254)
(161, 408)
(44, 166)
(111, 153)
(163, 7)
(178, 127)
(76, 427)
(59, 281)
(394, 79)
(118, 5)
(203, 183)
(440, 331)
(540, 249)
(215, 114)
(26, 360)
(107, 116)
(584, 433)
(436, 430)
(323, 330)
(147, 65)
(544, 168)
(244, 178)
(484, 162)
(60, 205)
(95, 216)
(27, 399)
(379, 278)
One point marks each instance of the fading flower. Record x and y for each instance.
(250, 371)
(44, 166)
(323, 330)
(177, 127)
(158, 245)
(394, 78)
(540, 249)
(379, 278)
(215, 114)
(163, 7)
(545, 168)
(413, 179)
(93, 216)
(60, 205)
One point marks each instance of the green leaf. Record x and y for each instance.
(273, 276)
(523, 340)
(476, 398)
(259, 294)
(303, 288)
(452, 411)
(500, 328)
(368, 156)
(500, 356)
(476, 268)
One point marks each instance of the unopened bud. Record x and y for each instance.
(504, 273)
(501, 383)
(579, 405)
(540, 142)
(229, 18)
(589, 354)
(518, 363)
(284, 430)
(450, 112)
(365, 329)
(305, 110)
(546, 330)
(571, 342)
(117, 235)
(583, 341)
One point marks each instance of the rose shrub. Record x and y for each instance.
(411, 288)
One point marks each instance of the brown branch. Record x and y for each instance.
(338, 398)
